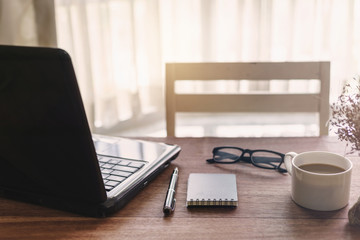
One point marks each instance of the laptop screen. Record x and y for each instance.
(45, 141)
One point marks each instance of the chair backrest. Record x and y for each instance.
(267, 102)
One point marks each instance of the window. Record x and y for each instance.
(119, 48)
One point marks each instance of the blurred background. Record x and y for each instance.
(119, 49)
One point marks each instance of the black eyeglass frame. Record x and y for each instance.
(249, 159)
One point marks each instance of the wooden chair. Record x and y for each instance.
(309, 102)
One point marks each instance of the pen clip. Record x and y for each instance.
(173, 204)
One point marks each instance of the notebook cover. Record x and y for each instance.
(209, 189)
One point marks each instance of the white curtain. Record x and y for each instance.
(116, 48)
(27, 22)
(119, 47)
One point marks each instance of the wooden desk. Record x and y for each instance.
(265, 207)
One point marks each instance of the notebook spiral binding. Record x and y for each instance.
(212, 202)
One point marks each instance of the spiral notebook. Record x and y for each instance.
(211, 189)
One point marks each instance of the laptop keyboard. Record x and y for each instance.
(114, 171)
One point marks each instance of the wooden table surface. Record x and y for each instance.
(265, 209)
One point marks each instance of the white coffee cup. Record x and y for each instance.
(319, 191)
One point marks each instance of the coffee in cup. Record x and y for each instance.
(319, 180)
(321, 168)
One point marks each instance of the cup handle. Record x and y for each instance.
(287, 160)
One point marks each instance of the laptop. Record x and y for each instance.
(48, 155)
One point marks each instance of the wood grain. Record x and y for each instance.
(265, 207)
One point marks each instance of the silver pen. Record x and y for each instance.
(169, 204)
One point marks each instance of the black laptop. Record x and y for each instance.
(48, 155)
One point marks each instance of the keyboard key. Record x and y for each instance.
(115, 178)
(136, 164)
(106, 170)
(124, 168)
(114, 161)
(104, 176)
(112, 183)
(109, 185)
(121, 173)
(102, 159)
(108, 165)
(124, 162)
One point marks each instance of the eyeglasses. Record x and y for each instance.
(260, 158)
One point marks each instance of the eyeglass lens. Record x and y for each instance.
(266, 159)
(227, 155)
